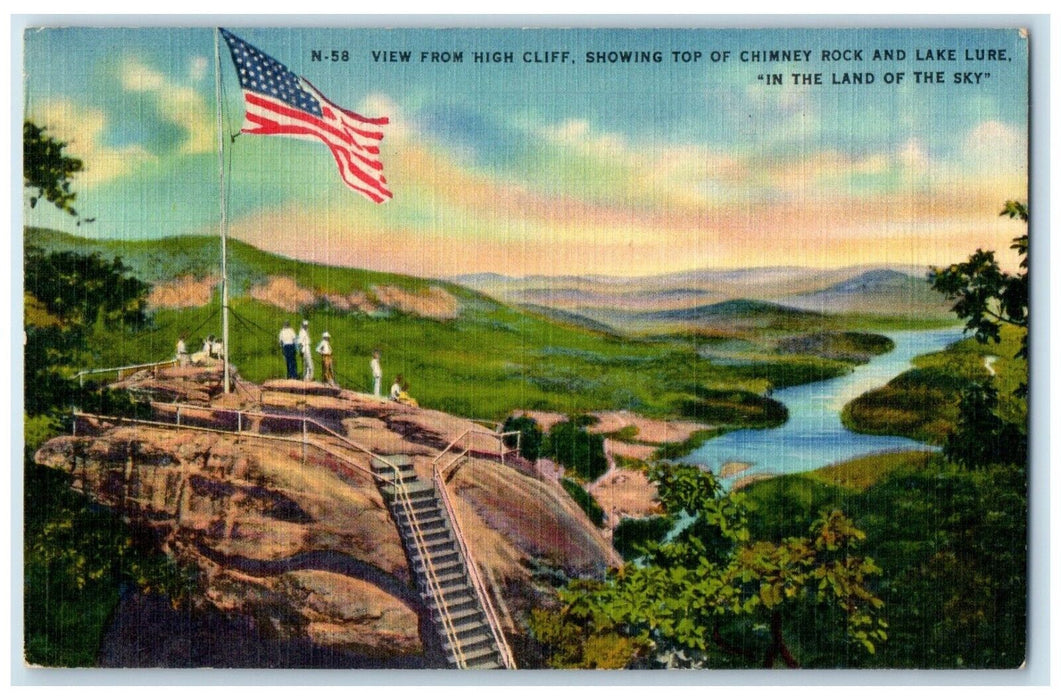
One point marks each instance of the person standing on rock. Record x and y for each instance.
(377, 374)
(287, 344)
(324, 349)
(182, 352)
(305, 345)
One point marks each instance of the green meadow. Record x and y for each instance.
(922, 403)
(488, 361)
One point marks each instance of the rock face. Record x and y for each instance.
(295, 540)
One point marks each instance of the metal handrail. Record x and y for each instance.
(473, 572)
(439, 475)
(80, 376)
(501, 450)
(434, 586)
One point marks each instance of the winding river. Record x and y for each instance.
(813, 436)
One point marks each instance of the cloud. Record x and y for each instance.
(197, 68)
(178, 104)
(82, 129)
(399, 130)
(994, 149)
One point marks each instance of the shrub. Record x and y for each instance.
(572, 446)
(530, 436)
(633, 533)
(585, 501)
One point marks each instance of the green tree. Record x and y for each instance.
(981, 437)
(530, 436)
(577, 449)
(677, 602)
(985, 296)
(46, 170)
(66, 295)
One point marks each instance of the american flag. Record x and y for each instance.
(281, 103)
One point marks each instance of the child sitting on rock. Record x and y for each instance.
(400, 392)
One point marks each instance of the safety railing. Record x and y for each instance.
(401, 494)
(502, 449)
(124, 371)
(439, 474)
(481, 592)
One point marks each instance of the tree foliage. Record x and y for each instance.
(677, 600)
(47, 170)
(81, 290)
(577, 449)
(530, 436)
(985, 296)
(67, 295)
(981, 437)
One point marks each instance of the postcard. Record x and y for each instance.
(525, 348)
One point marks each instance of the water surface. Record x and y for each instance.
(814, 437)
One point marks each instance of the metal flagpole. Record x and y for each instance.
(224, 222)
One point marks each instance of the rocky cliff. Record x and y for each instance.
(292, 537)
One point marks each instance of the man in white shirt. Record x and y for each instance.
(377, 374)
(183, 359)
(287, 344)
(305, 346)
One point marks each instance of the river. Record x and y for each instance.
(813, 436)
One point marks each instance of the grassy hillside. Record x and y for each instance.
(922, 403)
(485, 361)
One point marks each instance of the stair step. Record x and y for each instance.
(415, 489)
(488, 666)
(467, 626)
(396, 460)
(456, 587)
(437, 558)
(448, 574)
(473, 653)
(437, 533)
(478, 656)
(463, 616)
(426, 524)
(460, 602)
(470, 642)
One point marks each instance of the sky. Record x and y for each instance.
(550, 163)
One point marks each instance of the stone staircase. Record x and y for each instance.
(441, 572)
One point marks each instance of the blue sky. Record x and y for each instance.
(554, 167)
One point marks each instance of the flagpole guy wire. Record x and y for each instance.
(224, 222)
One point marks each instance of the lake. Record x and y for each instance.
(813, 436)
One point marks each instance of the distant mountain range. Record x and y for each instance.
(704, 297)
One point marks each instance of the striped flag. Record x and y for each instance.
(278, 102)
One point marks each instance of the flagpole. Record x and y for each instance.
(224, 222)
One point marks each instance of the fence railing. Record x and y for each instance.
(502, 449)
(439, 473)
(124, 371)
(482, 593)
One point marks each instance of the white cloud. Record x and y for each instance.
(81, 128)
(197, 68)
(399, 130)
(180, 104)
(993, 148)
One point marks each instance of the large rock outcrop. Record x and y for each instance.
(296, 541)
